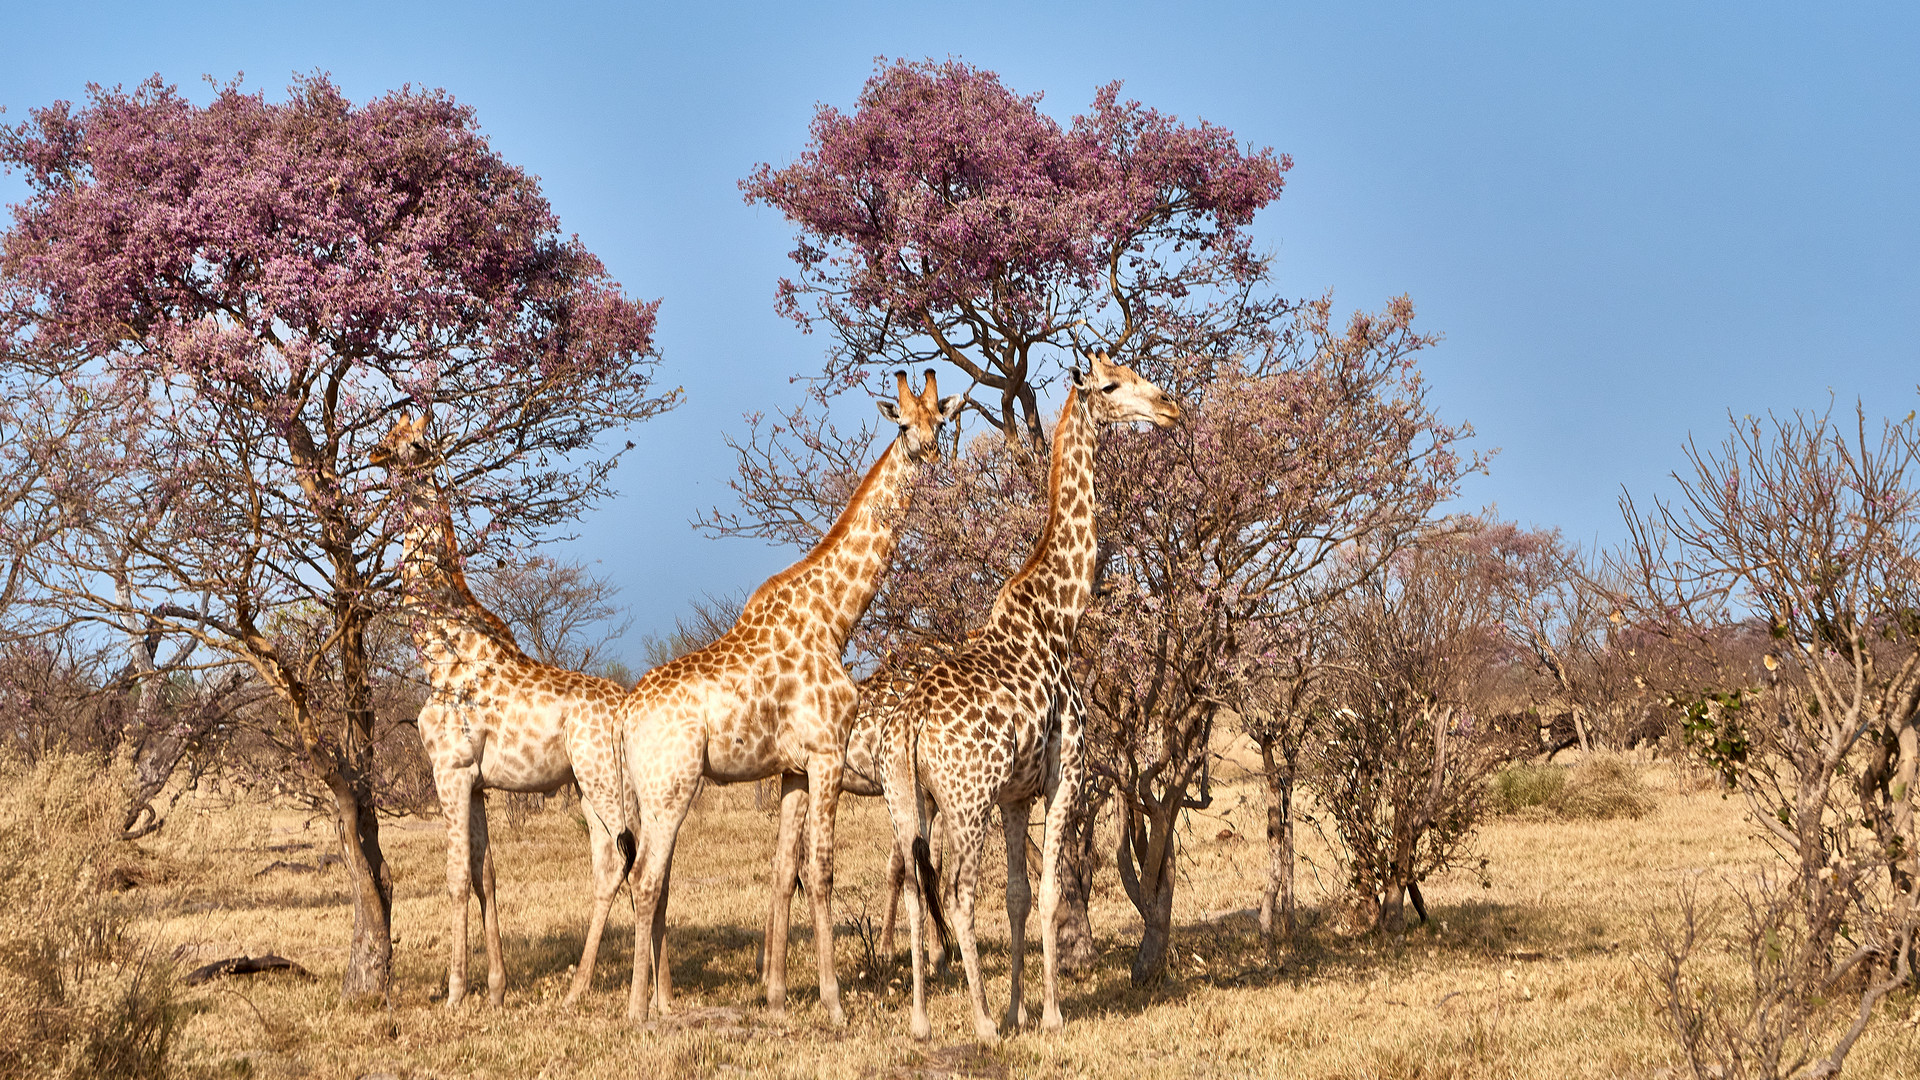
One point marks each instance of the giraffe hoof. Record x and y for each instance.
(922, 1030)
(983, 1029)
(1052, 1021)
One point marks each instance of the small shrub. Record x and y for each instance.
(83, 996)
(1601, 788)
(1519, 788)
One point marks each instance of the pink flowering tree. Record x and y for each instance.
(947, 222)
(219, 308)
(949, 219)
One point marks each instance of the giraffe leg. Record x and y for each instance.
(663, 973)
(786, 874)
(608, 871)
(942, 885)
(660, 819)
(456, 797)
(480, 858)
(649, 869)
(1064, 782)
(1013, 818)
(963, 831)
(823, 778)
(896, 884)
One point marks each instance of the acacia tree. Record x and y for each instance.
(1800, 534)
(224, 306)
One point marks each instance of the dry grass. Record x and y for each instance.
(1534, 976)
(83, 992)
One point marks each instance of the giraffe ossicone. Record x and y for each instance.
(771, 697)
(1001, 722)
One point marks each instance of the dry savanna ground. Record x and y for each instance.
(1537, 972)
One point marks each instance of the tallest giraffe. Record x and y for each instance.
(1001, 722)
(771, 697)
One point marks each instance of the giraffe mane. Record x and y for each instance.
(492, 625)
(1056, 470)
(841, 526)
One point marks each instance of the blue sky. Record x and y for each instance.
(1628, 219)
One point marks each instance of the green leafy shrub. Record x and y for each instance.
(1520, 788)
(1600, 788)
(83, 995)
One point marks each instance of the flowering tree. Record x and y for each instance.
(220, 308)
(949, 219)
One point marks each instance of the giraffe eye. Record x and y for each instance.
(1110, 388)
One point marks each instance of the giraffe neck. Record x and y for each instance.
(835, 582)
(449, 624)
(1056, 584)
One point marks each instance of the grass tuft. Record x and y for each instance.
(1602, 788)
(1522, 787)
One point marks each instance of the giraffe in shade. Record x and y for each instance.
(497, 718)
(771, 697)
(1001, 721)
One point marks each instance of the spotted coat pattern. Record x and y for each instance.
(879, 693)
(497, 718)
(1001, 722)
(771, 697)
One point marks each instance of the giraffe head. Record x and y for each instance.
(1116, 394)
(406, 446)
(920, 416)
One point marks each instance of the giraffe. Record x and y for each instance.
(496, 718)
(1001, 721)
(771, 697)
(878, 693)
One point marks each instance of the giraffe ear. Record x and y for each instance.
(1079, 378)
(889, 409)
(950, 406)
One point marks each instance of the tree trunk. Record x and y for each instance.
(1078, 857)
(1277, 905)
(370, 956)
(1146, 864)
(370, 960)
(1393, 908)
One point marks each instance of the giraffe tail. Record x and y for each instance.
(930, 889)
(627, 840)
